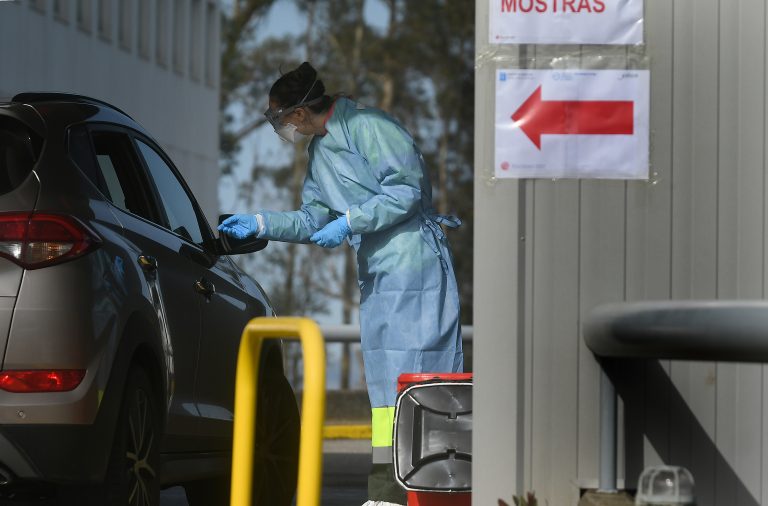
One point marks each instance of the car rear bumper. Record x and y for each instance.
(74, 449)
(76, 407)
(55, 454)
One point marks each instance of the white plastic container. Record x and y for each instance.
(665, 486)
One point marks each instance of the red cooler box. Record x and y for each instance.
(433, 438)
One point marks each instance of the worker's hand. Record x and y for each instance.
(332, 234)
(240, 226)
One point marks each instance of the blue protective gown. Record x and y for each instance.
(368, 166)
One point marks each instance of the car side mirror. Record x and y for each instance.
(228, 245)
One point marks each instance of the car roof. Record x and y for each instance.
(61, 105)
(32, 97)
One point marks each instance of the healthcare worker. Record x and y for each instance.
(366, 183)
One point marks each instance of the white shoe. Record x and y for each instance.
(381, 503)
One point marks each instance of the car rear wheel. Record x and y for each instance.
(276, 452)
(132, 475)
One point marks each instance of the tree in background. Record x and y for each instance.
(417, 64)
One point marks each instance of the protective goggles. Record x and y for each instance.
(275, 115)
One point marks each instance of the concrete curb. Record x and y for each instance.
(596, 498)
(347, 432)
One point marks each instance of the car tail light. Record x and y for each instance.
(60, 380)
(35, 240)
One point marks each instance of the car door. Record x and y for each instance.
(225, 308)
(223, 322)
(169, 275)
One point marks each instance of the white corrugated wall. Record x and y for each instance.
(696, 230)
(176, 100)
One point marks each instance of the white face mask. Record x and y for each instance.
(289, 133)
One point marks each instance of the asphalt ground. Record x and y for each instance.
(346, 463)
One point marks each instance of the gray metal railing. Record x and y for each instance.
(351, 333)
(347, 335)
(722, 331)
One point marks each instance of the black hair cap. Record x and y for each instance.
(297, 84)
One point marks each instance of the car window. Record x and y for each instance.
(81, 152)
(183, 219)
(18, 152)
(121, 174)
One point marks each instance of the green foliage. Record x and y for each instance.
(528, 500)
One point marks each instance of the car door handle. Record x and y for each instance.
(204, 287)
(148, 263)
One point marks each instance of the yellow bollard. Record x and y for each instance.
(312, 406)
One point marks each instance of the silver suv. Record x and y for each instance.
(120, 319)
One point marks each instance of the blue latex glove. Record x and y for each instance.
(240, 226)
(332, 234)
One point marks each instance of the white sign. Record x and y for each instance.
(566, 21)
(572, 124)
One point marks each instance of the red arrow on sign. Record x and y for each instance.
(537, 117)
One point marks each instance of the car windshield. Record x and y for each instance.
(18, 153)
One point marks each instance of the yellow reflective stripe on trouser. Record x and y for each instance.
(382, 421)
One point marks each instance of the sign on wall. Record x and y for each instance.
(572, 124)
(566, 22)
